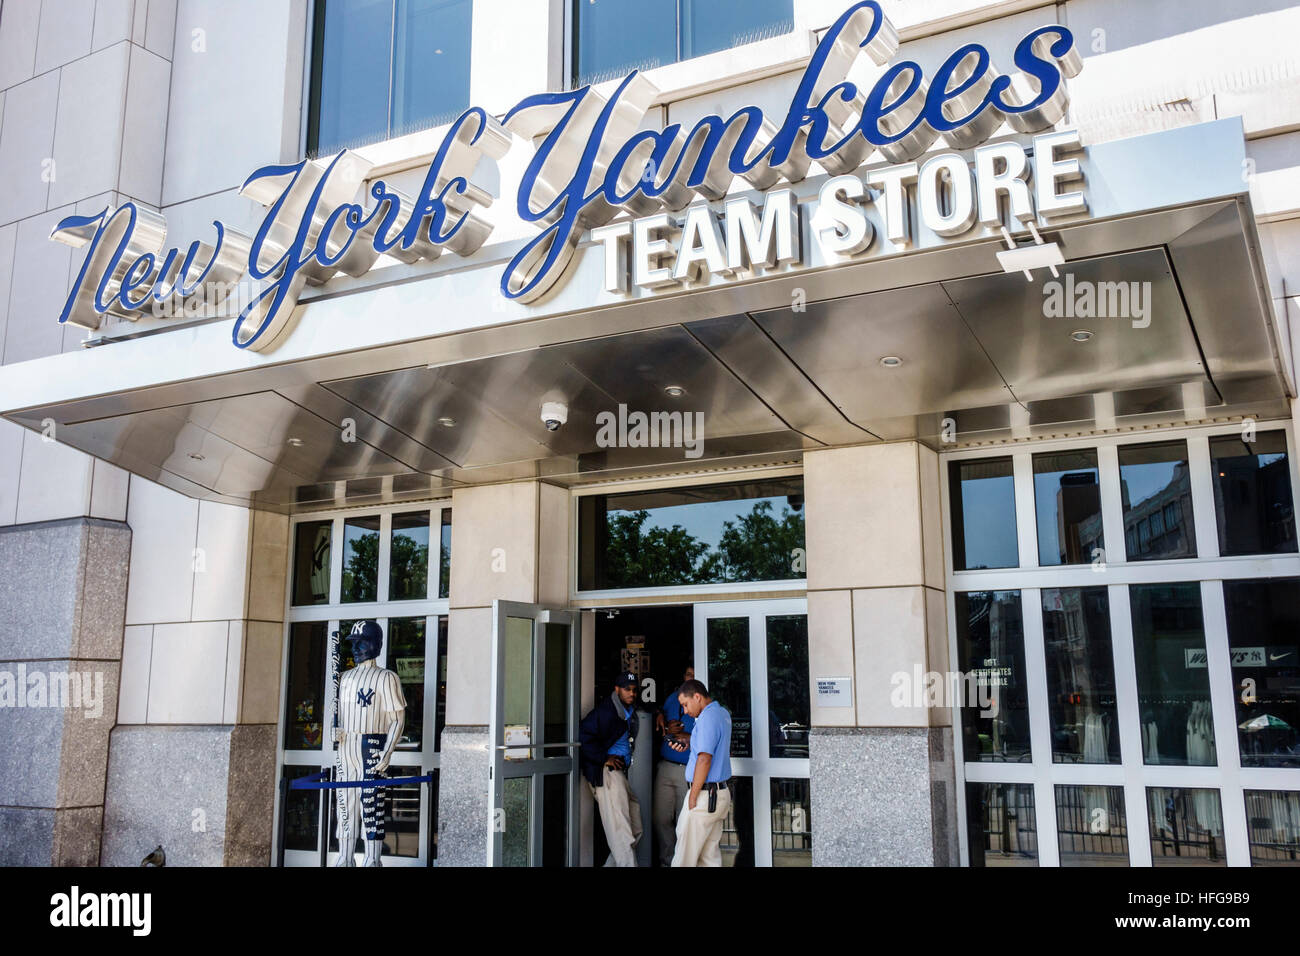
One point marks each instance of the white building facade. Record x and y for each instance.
(959, 463)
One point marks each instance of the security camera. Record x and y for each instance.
(554, 414)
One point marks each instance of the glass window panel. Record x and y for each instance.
(444, 555)
(1273, 821)
(351, 57)
(791, 822)
(1091, 829)
(1264, 634)
(555, 819)
(737, 843)
(1080, 675)
(1067, 502)
(305, 696)
(727, 650)
(1186, 827)
(440, 712)
(991, 648)
(360, 559)
(704, 534)
(1252, 494)
(1002, 829)
(983, 505)
(406, 654)
(556, 705)
(408, 558)
(431, 50)
(788, 692)
(302, 812)
(311, 562)
(1152, 479)
(708, 26)
(516, 801)
(402, 814)
(614, 37)
(518, 703)
(1173, 681)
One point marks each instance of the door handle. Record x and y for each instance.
(539, 746)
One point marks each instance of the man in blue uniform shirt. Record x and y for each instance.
(670, 776)
(606, 737)
(708, 772)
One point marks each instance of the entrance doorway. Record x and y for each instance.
(753, 657)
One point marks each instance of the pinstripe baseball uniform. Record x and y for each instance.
(371, 704)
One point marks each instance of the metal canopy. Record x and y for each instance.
(384, 424)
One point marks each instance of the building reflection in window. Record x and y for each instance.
(1001, 826)
(991, 648)
(1067, 502)
(1273, 821)
(1173, 680)
(1186, 827)
(1264, 634)
(1080, 675)
(1091, 829)
(1156, 492)
(1252, 494)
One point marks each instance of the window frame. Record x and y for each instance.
(313, 59)
(428, 758)
(1208, 571)
(570, 50)
(673, 593)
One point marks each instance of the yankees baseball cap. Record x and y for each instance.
(366, 631)
(627, 679)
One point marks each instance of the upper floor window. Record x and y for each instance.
(611, 38)
(383, 68)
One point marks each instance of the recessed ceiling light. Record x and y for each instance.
(1081, 335)
(447, 422)
(296, 442)
(891, 361)
(676, 391)
(196, 456)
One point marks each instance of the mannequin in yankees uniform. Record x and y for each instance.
(372, 713)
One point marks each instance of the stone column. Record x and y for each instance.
(192, 762)
(62, 599)
(508, 542)
(882, 770)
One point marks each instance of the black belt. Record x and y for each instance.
(713, 787)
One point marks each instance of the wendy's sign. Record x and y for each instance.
(592, 163)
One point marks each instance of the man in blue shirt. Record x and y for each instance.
(708, 772)
(670, 776)
(605, 738)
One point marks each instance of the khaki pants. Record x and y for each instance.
(620, 815)
(670, 796)
(699, 832)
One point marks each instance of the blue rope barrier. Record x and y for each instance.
(317, 781)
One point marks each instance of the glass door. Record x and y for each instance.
(536, 655)
(753, 657)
